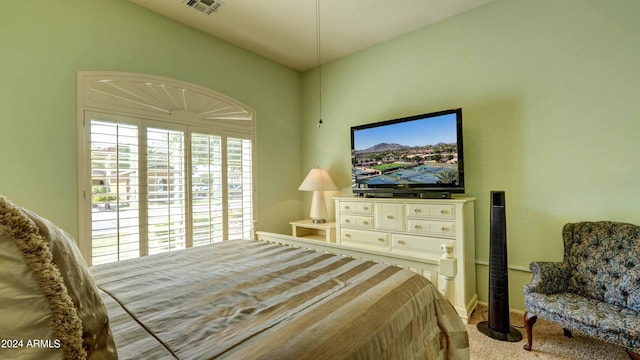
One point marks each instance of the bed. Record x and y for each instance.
(240, 299)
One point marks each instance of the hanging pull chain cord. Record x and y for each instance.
(319, 63)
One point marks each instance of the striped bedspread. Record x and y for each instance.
(247, 299)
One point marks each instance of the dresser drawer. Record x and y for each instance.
(365, 222)
(431, 227)
(417, 246)
(389, 217)
(444, 211)
(363, 238)
(356, 207)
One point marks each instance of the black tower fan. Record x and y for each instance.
(498, 326)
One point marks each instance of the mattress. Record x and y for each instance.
(246, 299)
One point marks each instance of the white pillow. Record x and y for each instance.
(49, 305)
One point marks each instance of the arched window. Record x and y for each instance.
(163, 165)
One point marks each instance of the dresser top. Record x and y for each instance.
(460, 199)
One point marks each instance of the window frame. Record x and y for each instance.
(135, 99)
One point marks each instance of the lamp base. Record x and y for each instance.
(318, 208)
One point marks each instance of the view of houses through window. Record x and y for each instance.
(160, 187)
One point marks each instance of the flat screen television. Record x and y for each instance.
(417, 156)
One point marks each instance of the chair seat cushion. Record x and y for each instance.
(591, 317)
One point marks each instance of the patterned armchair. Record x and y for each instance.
(595, 290)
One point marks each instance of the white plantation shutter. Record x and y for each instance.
(207, 194)
(240, 187)
(150, 195)
(166, 197)
(162, 165)
(114, 191)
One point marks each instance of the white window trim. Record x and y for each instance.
(156, 98)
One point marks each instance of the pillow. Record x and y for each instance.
(49, 304)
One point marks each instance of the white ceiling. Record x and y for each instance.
(285, 30)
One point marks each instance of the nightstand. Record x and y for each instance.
(308, 229)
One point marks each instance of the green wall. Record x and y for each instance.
(549, 91)
(44, 43)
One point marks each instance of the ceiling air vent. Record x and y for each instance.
(206, 6)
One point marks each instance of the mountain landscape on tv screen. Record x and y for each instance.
(390, 164)
(382, 147)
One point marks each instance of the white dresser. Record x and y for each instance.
(416, 228)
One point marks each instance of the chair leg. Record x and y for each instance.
(529, 321)
(633, 355)
(567, 333)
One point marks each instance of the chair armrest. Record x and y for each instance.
(548, 277)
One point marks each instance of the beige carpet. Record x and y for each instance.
(548, 343)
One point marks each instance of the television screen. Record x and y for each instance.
(417, 152)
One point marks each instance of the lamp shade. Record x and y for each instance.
(317, 180)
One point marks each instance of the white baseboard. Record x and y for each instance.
(510, 267)
(514, 311)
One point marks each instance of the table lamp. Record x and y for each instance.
(318, 181)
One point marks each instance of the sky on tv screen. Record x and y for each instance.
(428, 131)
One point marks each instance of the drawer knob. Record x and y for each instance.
(381, 239)
(346, 208)
(416, 210)
(417, 227)
(443, 211)
(347, 235)
(389, 217)
(347, 220)
(401, 242)
(366, 208)
(444, 229)
(365, 222)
